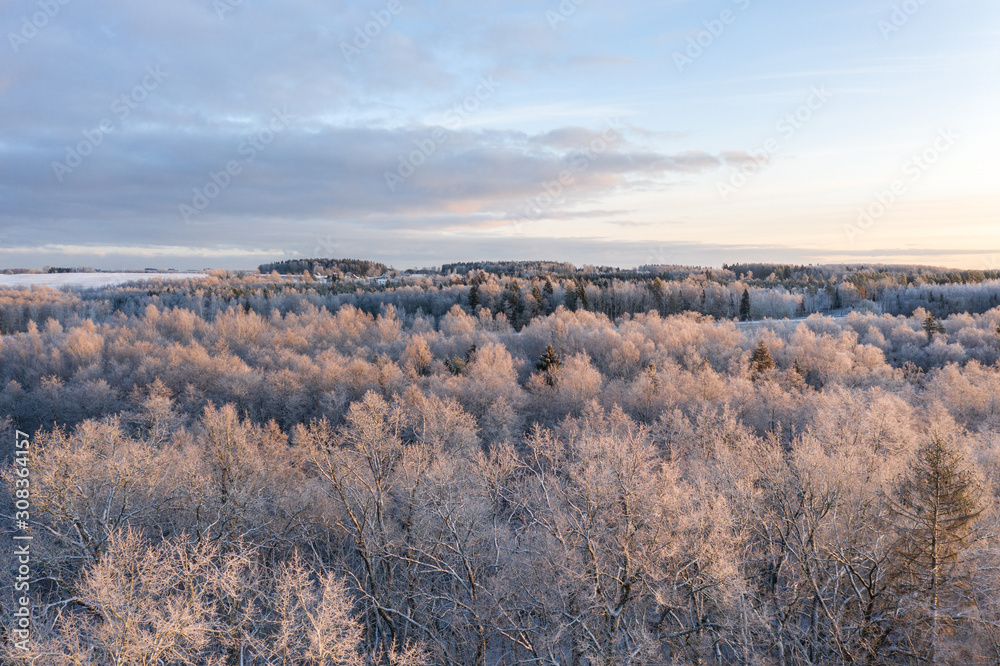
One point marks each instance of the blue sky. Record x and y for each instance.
(226, 133)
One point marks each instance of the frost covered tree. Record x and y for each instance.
(936, 506)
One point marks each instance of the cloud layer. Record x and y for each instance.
(210, 128)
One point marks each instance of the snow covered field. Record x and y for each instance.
(84, 280)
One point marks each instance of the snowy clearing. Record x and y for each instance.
(85, 280)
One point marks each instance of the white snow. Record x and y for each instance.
(84, 280)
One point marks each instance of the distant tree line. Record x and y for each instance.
(360, 267)
(511, 268)
(520, 300)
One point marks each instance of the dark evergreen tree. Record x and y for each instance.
(569, 300)
(548, 304)
(515, 306)
(549, 364)
(547, 289)
(549, 360)
(745, 306)
(581, 295)
(656, 287)
(932, 326)
(474, 296)
(675, 303)
(761, 361)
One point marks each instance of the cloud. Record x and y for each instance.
(360, 116)
(140, 251)
(655, 134)
(135, 183)
(643, 224)
(570, 137)
(736, 158)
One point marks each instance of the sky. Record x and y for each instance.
(228, 133)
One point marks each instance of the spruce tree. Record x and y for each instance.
(516, 306)
(569, 300)
(547, 289)
(745, 306)
(474, 296)
(656, 286)
(581, 296)
(761, 361)
(536, 294)
(675, 303)
(935, 506)
(549, 364)
(549, 359)
(932, 326)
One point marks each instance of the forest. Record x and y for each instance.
(757, 464)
